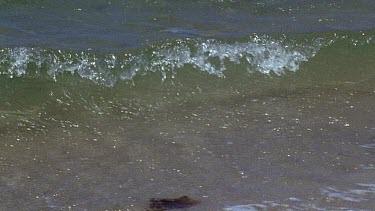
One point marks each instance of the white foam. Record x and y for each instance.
(368, 146)
(352, 195)
(262, 54)
(271, 205)
(15, 60)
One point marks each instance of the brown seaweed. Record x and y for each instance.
(161, 204)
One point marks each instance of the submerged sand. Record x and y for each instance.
(308, 150)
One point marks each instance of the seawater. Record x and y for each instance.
(242, 105)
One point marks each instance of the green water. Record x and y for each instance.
(299, 140)
(241, 105)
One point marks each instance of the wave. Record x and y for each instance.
(262, 54)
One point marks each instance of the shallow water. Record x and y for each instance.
(107, 104)
(301, 151)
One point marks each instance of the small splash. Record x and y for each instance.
(291, 203)
(368, 146)
(367, 167)
(272, 205)
(353, 195)
(247, 207)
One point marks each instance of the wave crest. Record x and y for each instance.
(260, 53)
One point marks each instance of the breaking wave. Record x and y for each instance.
(262, 54)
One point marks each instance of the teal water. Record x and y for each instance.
(242, 105)
(116, 25)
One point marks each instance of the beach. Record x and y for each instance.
(118, 109)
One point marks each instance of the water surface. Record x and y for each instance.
(242, 105)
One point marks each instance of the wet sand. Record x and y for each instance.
(304, 151)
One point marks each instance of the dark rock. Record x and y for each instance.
(176, 203)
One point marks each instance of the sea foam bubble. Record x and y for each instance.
(260, 53)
